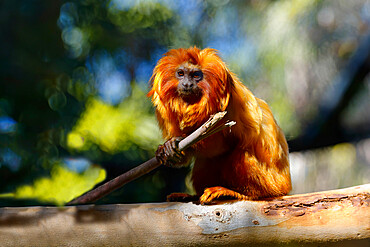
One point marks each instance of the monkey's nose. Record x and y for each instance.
(187, 85)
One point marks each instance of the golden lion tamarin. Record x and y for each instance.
(248, 161)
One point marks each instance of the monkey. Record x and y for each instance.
(247, 162)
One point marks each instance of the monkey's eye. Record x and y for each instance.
(180, 73)
(198, 75)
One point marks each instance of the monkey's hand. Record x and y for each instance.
(169, 154)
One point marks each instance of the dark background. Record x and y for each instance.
(74, 74)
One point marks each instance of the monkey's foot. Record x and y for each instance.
(181, 197)
(213, 193)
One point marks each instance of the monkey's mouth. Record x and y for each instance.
(190, 96)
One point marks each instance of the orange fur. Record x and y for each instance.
(250, 161)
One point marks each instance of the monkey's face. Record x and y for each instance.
(188, 85)
(189, 77)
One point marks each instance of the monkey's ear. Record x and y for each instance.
(225, 101)
(228, 85)
(230, 77)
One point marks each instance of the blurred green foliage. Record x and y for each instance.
(74, 74)
(116, 128)
(61, 187)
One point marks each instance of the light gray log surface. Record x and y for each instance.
(330, 218)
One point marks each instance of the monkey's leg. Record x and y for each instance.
(216, 192)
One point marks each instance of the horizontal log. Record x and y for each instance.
(334, 217)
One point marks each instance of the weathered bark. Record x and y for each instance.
(338, 217)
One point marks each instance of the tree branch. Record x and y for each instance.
(208, 128)
(329, 218)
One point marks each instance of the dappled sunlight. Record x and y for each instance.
(116, 129)
(112, 83)
(74, 38)
(75, 74)
(62, 186)
(329, 168)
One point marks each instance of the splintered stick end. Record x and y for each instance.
(230, 123)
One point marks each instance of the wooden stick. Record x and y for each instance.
(110, 186)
